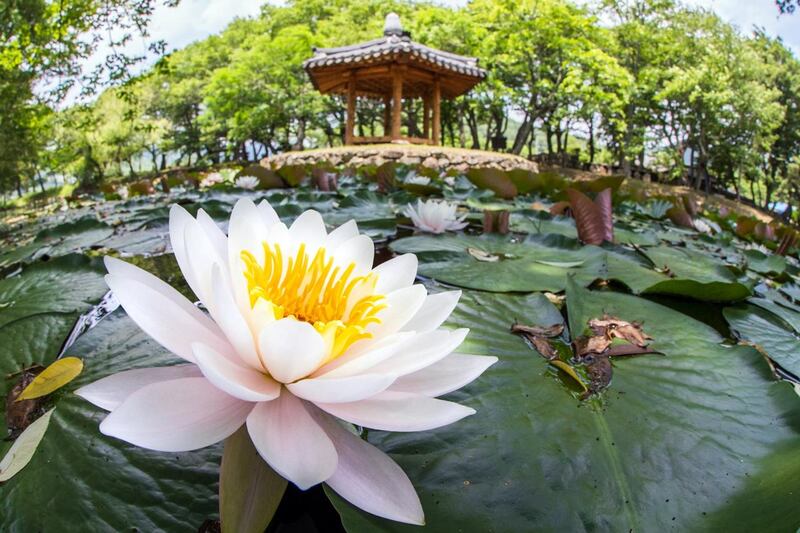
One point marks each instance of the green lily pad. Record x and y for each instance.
(19, 254)
(501, 263)
(68, 284)
(691, 274)
(79, 476)
(759, 326)
(789, 313)
(540, 222)
(73, 236)
(673, 441)
(772, 265)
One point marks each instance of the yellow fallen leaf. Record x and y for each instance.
(52, 378)
(24, 447)
(482, 256)
(558, 363)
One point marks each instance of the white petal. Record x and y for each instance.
(369, 479)
(291, 442)
(402, 305)
(246, 231)
(120, 269)
(179, 220)
(340, 390)
(436, 309)
(449, 374)
(268, 214)
(214, 235)
(396, 273)
(230, 320)
(423, 350)
(398, 411)
(343, 233)
(358, 359)
(202, 259)
(172, 325)
(291, 349)
(308, 228)
(240, 382)
(176, 416)
(359, 250)
(109, 392)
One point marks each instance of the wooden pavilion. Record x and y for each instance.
(389, 69)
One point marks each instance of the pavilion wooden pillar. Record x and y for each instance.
(397, 102)
(426, 116)
(387, 115)
(350, 120)
(437, 115)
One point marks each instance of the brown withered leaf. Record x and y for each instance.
(788, 241)
(599, 369)
(538, 337)
(606, 210)
(590, 345)
(621, 350)
(20, 414)
(593, 219)
(690, 204)
(543, 331)
(561, 209)
(680, 217)
(496, 221)
(544, 347)
(616, 328)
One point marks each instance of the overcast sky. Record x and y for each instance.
(193, 20)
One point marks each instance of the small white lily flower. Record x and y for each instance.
(702, 226)
(122, 191)
(302, 333)
(418, 180)
(435, 216)
(247, 182)
(211, 180)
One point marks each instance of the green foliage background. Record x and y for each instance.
(643, 81)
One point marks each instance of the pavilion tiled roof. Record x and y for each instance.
(393, 46)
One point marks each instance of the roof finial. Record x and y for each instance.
(392, 25)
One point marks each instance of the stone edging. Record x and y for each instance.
(436, 157)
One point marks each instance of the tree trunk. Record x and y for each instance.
(472, 122)
(523, 133)
(40, 179)
(301, 134)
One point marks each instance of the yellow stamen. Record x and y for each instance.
(337, 303)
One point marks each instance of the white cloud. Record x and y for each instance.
(190, 21)
(748, 14)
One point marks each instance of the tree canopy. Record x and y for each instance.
(629, 83)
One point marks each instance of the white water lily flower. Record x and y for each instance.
(418, 180)
(435, 216)
(701, 226)
(247, 182)
(303, 334)
(212, 179)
